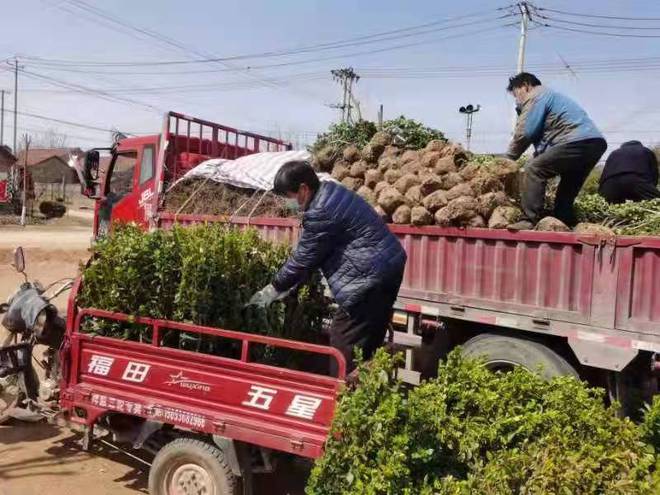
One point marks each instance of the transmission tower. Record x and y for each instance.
(346, 77)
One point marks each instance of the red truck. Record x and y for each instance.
(572, 304)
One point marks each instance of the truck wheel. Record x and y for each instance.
(187, 466)
(503, 353)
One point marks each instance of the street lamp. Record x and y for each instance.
(468, 110)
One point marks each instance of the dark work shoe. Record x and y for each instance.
(521, 225)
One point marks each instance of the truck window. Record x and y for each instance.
(147, 165)
(121, 180)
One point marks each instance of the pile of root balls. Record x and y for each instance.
(437, 185)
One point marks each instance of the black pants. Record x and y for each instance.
(364, 325)
(572, 162)
(620, 188)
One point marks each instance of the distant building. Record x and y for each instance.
(50, 165)
(7, 159)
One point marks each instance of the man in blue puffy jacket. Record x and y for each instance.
(566, 144)
(360, 258)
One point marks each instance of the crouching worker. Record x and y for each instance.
(360, 258)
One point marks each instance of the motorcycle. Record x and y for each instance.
(30, 319)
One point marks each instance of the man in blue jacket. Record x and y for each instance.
(360, 258)
(630, 173)
(566, 144)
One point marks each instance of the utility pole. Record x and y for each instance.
(25, 181)
(468, 110)
(346, 77)
(15, 102)
(524, 24)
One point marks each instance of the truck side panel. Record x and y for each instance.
(638, 301)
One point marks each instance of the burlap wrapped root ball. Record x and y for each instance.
(405, 182)
(351, 153)
(430, 183)
(457, 152)
(353, 183)
(436, 145)
(409, 156)
(551, 224)
(367, 194)
(485, 182)
(445, 165)
(450, 180)
(414, 195)
(462, 189)
(489, 201)
(391, 151)
(509, 173)
(391, 176)
(340, 172)
(420, 216)
(430, 158)
(358, 169)
(401, 215)
(380, 186)
(372, 177)
(477, 222)
(470, 171)
(412, 167)
(375, 147)
(390, 199)
(436, 200)
(458, 212)
(386, 163)
(326, 157)
(503, 216)
(594, 229)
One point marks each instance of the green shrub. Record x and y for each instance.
(204, 275)
(629, 218)
(473, 431)
(410, 133)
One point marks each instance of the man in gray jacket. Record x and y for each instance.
(566, 144)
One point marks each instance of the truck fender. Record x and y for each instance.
(600, 355)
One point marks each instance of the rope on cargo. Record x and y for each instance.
(185, 203)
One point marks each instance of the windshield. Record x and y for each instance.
(122, 171)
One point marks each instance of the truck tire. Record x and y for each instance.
(190, 466)
(503, 353)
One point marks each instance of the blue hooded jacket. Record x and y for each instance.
(344, 237)
(548, 118)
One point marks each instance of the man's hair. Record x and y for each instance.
(292, 174)
(520, 80)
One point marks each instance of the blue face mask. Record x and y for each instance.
(292, 204)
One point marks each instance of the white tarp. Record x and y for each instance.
(256, 171)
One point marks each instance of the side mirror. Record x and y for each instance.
(19, 260)
(90, 174)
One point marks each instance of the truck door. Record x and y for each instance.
(119, 201)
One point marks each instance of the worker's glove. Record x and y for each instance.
(266, 296)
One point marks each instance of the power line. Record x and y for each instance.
(67, 122)
(87, 90)
(599, 33)
(581, 14)
(603, 26)
(356, 41)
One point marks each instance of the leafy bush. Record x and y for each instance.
(411, 133)
(629, 218)
(203, 275)
(473, 431)
(408, 133)
(342, 134)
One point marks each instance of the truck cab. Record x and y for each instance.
(140, 169)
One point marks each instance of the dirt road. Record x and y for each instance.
(41, 458)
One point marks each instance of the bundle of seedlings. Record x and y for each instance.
(474, 431)
(203, 275)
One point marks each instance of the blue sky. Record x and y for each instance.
(454, 63)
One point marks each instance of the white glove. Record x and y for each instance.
(266, 296)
